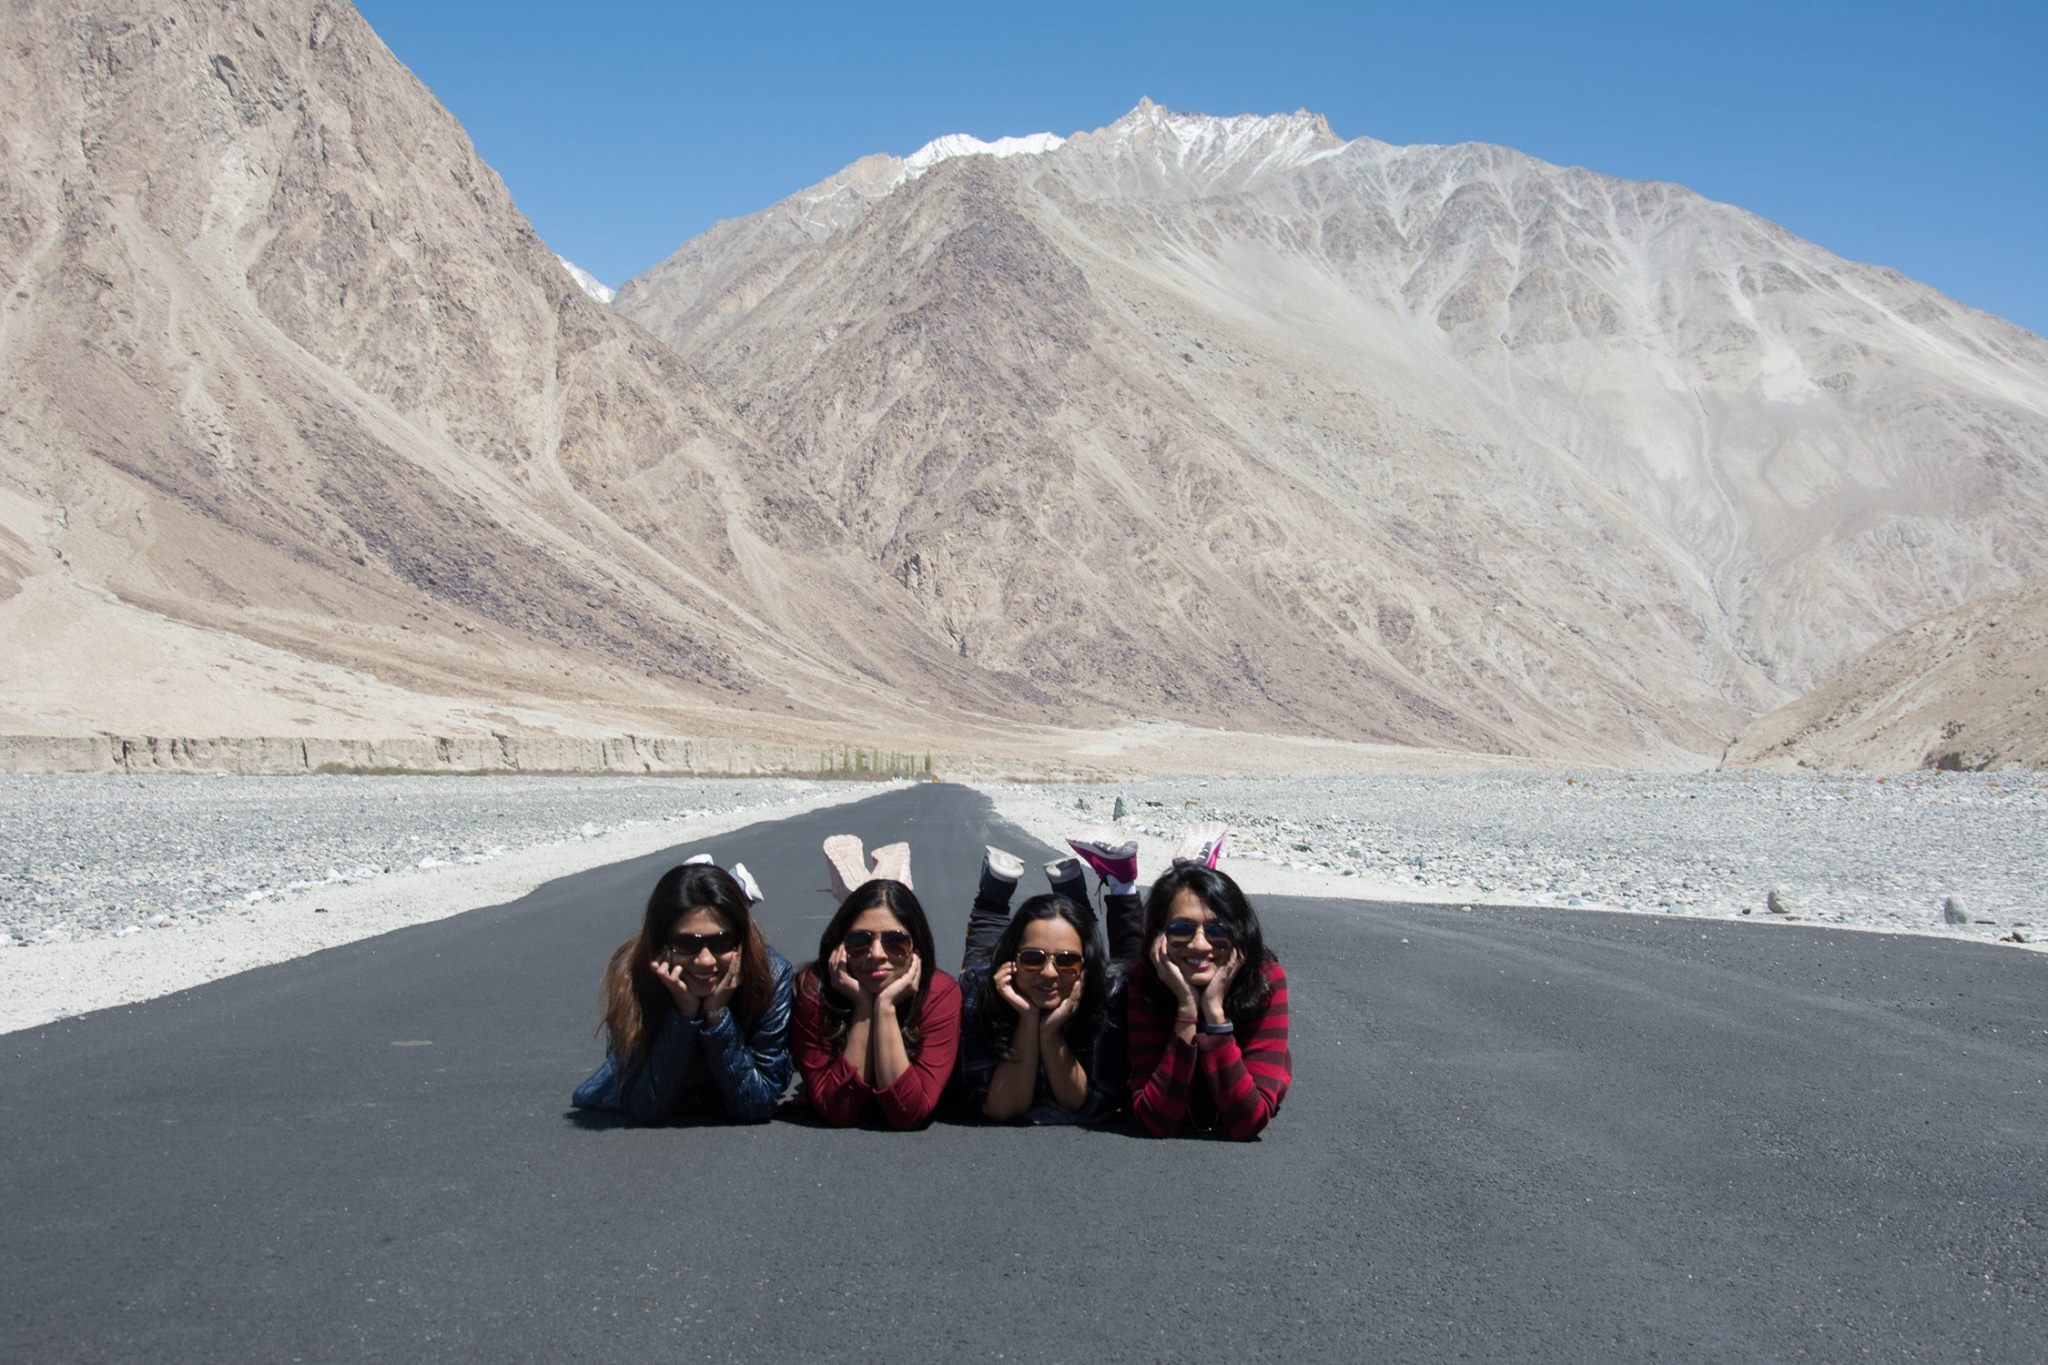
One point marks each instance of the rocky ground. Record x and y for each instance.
(95, 857)
(1850, 850)
(98, 857)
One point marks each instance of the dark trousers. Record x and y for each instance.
(990, 915)
(1126, 916)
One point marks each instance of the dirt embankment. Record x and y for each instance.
(270, 756)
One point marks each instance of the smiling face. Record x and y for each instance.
(1196, 954)
(878, 948)
(694, 948)
(1045, 985)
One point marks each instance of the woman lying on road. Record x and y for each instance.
(1207, 1011)
(696, 1006)
(876, 1025)
(1041, 1037)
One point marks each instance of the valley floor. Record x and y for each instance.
(120, 889)
(1843, 850)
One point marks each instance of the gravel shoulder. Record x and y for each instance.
(125, 889)
(1843, 851)
(119, 890)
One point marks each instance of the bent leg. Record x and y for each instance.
(990, 914)
(1066, 878)
(1126, 915)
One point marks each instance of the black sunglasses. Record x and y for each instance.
(1219, 934)
(895, 942)
(1066, 961)
(687, 946)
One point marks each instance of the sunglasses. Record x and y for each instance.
(1220, 935)
(687, 946)
(895, 942)
(1066, 962)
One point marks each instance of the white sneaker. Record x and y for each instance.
(892, 863)
(1003, 866)
(848, 865)
(1062, 870)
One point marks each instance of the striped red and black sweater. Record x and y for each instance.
(1232, 1082)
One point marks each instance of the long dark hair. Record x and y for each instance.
(1000, 1021)
(635, 1002)
(1221, 896)
(900, 901)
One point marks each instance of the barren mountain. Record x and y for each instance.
(1188, 422)
(1966, 689)
(1233, 419)
(305, 430)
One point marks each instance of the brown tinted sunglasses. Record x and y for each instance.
(895, 942)
(1066, 962)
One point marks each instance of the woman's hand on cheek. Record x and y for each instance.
(728, 985)
(1005, 979)
(903, 982)
(1057, 1019)
(841, 979)
(1218, 988)
(1170, 973)
(671, 978)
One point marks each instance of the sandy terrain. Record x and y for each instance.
(1965, 690)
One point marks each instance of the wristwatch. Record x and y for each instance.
(1222, 1030)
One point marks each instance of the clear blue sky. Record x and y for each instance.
(1914, 136)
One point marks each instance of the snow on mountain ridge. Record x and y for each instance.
(1208, 141)
(586, 281)
(961, 144)
(1202, 147)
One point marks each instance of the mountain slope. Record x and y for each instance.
(1966, 689)
(303, 420)
(1232, 418)
(1226, 422)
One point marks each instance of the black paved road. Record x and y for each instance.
(1517, 1135)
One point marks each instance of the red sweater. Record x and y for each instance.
(1237, 1079)
(838, 1092)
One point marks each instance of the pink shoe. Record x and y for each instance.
(1202, 845)
(1114, 858)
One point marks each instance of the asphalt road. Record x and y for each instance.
(1525, 1135)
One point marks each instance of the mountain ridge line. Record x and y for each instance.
(1436, 450)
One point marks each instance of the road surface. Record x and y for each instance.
(1514, 1135)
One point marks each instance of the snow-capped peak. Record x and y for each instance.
(960, 144)
(1190, 151)
(587, 282)
(1257, 142)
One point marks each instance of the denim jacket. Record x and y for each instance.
(693, 1066)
